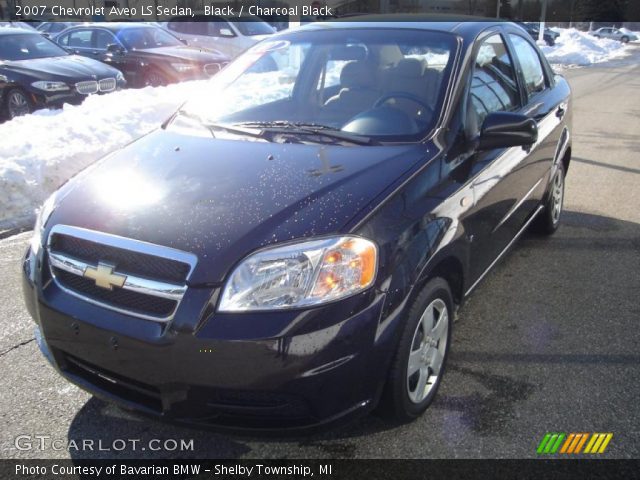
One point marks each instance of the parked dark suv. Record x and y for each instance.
(147, 55)
(291, 249)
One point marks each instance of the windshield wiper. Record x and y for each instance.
(213, 127)
(284, 126)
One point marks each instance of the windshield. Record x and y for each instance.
(143, 38)
(28, 46)
(253, 27)
(386, 84)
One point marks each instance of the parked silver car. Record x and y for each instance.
(623, 36)
(219, 33)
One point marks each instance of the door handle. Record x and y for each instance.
(560, 112)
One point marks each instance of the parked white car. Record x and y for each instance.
(623, 36)
(229, 37)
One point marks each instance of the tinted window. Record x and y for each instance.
(57, 27)
(143, 38)
(25, 47)
(254, 27)
(530, 62)
(493, 85)
(103, 39)
(79, 39)
(190, 28)
(214, 28)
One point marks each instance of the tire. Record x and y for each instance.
(624, 39)
(154, 78)
(403, 398)
(17, 103)
(549, 219)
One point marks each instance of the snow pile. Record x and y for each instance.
(39, 152)
(574, 47)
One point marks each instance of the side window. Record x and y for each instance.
(103, 39)
(79, 39)
(63, 40)
(218, 27)
(56, 27)
(173, 26)
(493, 85)
(530, 62)
(190, 28)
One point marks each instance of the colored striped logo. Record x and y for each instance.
(573, 443)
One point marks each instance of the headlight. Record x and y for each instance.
(301, 275)
(51, 86)
(41, 221)
(183, 67)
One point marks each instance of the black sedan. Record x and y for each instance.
(549, 36)
(146, 54)
(291, 249)
(37, 73)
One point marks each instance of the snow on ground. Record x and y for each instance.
(576, 48)
(41, 151)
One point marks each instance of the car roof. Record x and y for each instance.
(461, 24)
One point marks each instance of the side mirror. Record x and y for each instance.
(504, 129)
(225, 32)
(114, 48)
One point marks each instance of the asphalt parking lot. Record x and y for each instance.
(548, 342)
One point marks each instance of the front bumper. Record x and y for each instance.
(43, 99)
(269, 371)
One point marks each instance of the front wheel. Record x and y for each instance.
(18, 103)
(153, 78)
(419, 361)
(624, 39)
(549, 219)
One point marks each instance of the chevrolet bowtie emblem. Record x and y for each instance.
(104, 276)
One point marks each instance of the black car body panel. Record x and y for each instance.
(69, 69)
(439, 207)
(136, 63)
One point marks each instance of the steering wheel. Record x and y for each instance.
(409, 96)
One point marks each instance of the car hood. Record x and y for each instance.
(222, 199)
(66, 68)
(185, 53)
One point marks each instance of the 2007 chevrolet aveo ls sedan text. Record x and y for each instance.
(292, 249)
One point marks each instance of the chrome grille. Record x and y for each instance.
(155, 281)
(87, 88)
(107, 84)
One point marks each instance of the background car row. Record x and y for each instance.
(37, 73)
(44, 69)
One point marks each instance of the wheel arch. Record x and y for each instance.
(451, 270)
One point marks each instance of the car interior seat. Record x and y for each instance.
(357, 90)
